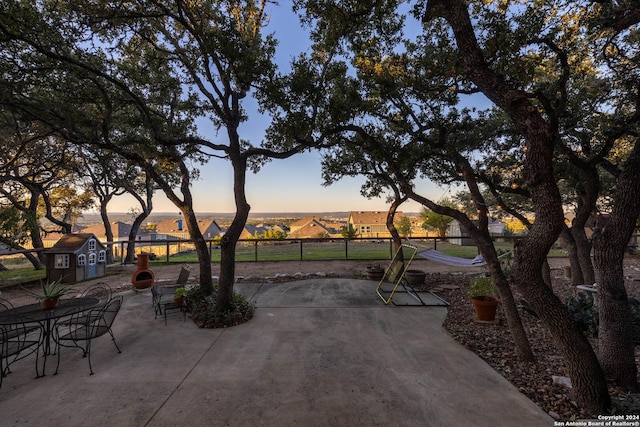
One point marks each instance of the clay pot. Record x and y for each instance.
(486, 308)
(143, 277)
(178, 301)
(49, 304)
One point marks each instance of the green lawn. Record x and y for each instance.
(284, 251)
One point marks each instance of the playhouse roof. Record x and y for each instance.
(73, 242)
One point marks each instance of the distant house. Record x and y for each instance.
(372, 224)
(119, 229)
(458, 234)
(177, 229)
(250, 231)
(76, 257)
(313, 229)
(302, 222)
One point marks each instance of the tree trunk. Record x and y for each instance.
(572, 252)
(523, 347)
(397, 201)
(108, 231)
(147, 207)
(483, 240)
(231, 237)
(616, 347)
(583, 249)
(588, 380)
(615, 333)
(202, 249)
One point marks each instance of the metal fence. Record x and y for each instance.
(278, 249)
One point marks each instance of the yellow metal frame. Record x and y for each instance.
(395, 274)
(391, 273)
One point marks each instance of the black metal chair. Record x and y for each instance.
(160, 291)
(17, 341)
(96, 323)
(101, 291)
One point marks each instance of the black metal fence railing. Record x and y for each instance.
(287, 249)
(183, 250)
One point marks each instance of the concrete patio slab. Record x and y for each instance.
(323, 352)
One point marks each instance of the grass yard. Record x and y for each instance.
(21, 271)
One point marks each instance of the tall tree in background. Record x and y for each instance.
(162, 64)
(434, 221)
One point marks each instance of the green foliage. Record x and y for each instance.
(349, 232)
(51, 290)
(435, 221)
(404, 226)
(269, 234)
(15, 225)
(180, 292)
(481, 287)
(205, 314)
(584, 313)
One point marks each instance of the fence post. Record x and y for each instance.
(167, 252)
(346, 249)
(255, 250)
(301, 257)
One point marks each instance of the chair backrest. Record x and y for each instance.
(5, 304)
(99, 290)
(105, 317)
(185, 271)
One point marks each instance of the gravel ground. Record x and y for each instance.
(493, 343)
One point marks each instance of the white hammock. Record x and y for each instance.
(433, 255)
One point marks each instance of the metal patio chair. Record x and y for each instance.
(160, 291)
(17, 341)
(97, 323)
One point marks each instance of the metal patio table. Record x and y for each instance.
(47, 319)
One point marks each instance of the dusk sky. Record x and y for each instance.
(291, 185)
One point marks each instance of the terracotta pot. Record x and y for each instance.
(486, 307)
(178, 301)
(49, 304)
(143, 261)
(143, 277)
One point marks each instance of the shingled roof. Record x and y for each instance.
(72, 242)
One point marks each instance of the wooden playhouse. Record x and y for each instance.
(76, 257)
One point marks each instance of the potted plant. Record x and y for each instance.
(483, 291)
(375, 272)
(51, 293)
(178, 297)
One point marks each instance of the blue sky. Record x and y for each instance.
(290, 185)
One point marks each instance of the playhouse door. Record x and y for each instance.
(92, 268)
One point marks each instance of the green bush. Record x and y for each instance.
(584, 313)
(205, 314)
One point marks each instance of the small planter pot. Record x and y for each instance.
(375, 273)
(50, 304)
(415, 277)
(178, 301)
(486, 308)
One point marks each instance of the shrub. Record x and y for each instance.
(584, 313)
(205, 314)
